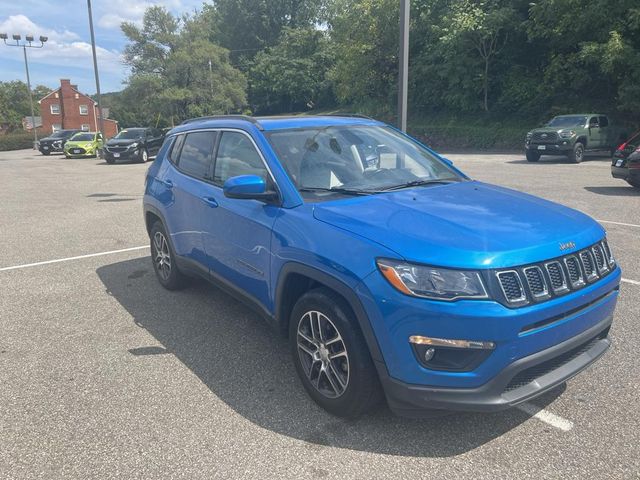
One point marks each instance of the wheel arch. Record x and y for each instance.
(583, 140)
(295, 279)
(151, 215)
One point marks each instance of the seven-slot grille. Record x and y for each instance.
(557, 277)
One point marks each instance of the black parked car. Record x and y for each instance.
(626, 161)
(54, 143)
(138, 144)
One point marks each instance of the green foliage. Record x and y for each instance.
(176, 73)
(14, 103)
(292, 75)
(16, 141)
(488, 59)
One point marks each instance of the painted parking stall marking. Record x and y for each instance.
(546, 416)
(619, 223)
(68, 259)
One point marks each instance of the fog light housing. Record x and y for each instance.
(450, 355)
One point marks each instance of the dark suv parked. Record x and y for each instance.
(626, 161)
(138, 144)
(54, 143)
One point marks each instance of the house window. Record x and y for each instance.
(55, 108)
(85, 127)
(84, 110)
(55, 127)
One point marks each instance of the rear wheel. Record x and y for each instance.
(331, 356)
(532, 156)
(164, 259)
(577, 154)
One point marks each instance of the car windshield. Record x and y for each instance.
(59, 134)
(82, 137)
(568, 121)
(130, 134)
(356, 160)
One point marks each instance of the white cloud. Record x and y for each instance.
(62, 48)
(133, 10)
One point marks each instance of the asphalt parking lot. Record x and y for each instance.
(103, 374)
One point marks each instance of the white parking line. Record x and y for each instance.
(619, 223)
(58, 260)
(546, 417)
(632, 282)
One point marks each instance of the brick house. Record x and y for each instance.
(66, 108)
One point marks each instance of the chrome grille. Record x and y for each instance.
(557, 277)
(536, 281)
(544, 137)
(588, 266)
(575, 273)
(539, 282)
(511, 286)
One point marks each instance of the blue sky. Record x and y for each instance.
(67, 54)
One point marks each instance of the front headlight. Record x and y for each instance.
(567, 133)
(134, 145)
(529, 135)
(432, 282)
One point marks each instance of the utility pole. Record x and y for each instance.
(95, 69)
(28, 43)
(403, 64)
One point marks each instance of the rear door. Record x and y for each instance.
(186, 180)
(236, 232)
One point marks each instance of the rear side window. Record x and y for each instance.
(195, 156)
(175, 149)
(237, 156)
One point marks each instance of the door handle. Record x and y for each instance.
(167, 183)
(210, 201)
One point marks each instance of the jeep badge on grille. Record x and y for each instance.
(567, 246)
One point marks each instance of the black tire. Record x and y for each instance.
(577, 154)
(359, 383)
(532, 156)
(45, 153)
(143, 155)
(170, 278)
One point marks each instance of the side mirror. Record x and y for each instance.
(247, 187)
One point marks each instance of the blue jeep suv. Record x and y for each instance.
(392, 273)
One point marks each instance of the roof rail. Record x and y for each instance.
(356, 115)
(224, 117)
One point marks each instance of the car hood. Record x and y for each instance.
(464, 225)
(78, 143)
(125, 142)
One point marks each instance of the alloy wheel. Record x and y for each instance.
(162, 256)
(323, 354)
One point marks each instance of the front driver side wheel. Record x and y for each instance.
(331, 356)
(577, 154)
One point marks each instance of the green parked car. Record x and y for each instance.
(83, 144)
(572, 136)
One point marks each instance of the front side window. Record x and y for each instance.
(84, 110)
(363, 159)
(195, 156)
(55, 108)
(237, 156)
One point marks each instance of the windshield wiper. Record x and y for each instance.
(345, 191)
(415, 183)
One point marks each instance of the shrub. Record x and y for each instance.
(16, 141)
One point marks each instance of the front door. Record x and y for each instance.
(237, 232)
(595, 134)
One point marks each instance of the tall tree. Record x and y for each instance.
(14, 102)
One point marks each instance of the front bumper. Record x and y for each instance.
(564, 147)
(524, 379)
(127, 154)
(49, 148)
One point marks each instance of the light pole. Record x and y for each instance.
(28, 43)
(403, 64)
(95, 68)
